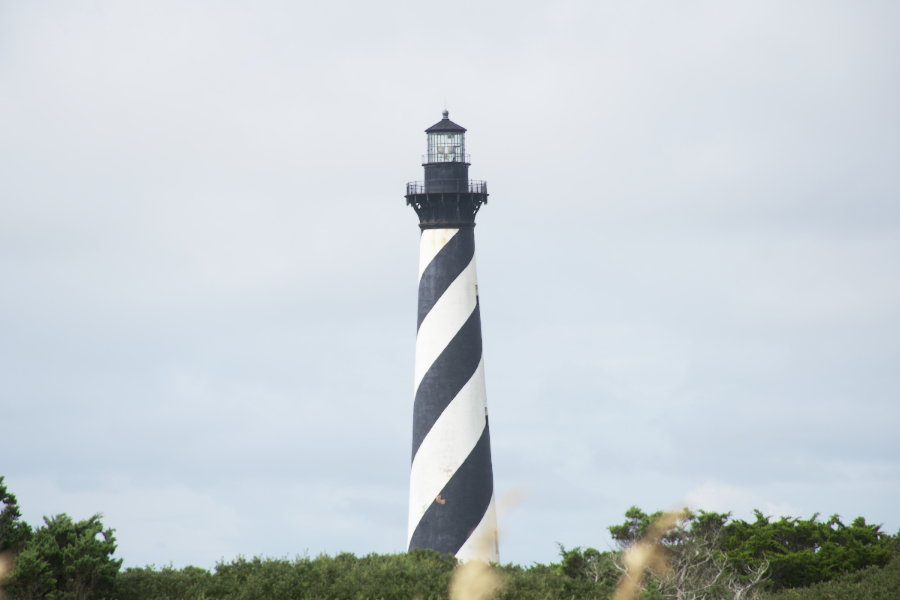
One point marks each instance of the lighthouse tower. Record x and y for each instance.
(451, 496)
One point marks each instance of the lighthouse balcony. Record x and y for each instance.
(446, 186)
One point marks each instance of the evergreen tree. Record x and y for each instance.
(13, 531)
(65, 560)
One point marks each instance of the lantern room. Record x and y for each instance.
(446, 142)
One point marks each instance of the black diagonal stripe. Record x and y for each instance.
(446, 526)
(443, 270)
(446, 376)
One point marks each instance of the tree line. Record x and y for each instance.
(697, 555)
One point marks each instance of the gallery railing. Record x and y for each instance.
(440, 186)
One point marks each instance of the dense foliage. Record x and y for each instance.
(421, 574)
(425, 574)
(803, 552)
(65, 560)
(872, 583)
(13, 531)
(708, 556)
(798, 552)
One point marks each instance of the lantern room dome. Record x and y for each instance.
(445, 124)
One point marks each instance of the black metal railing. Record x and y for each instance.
(451, 186)
(434, 157)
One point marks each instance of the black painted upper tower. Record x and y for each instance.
(447, 199)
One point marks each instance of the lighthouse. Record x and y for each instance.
(451, 496)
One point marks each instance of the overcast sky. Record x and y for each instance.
(689, 267)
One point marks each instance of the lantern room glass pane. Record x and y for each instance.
(446, 146)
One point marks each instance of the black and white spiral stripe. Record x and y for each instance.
(451, 506)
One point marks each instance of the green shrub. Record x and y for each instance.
(184, 584)
(803, 552)
(872, 583)
(421, 574)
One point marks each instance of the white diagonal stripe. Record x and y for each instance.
(430, 244)
(447, 445)
(445, 319)
(482, 544)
